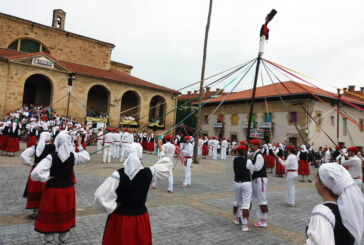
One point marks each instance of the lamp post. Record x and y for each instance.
(70, 79)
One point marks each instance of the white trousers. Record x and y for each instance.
(99, 146)
(242, 195)
(107, 152)
(259, 193)
(187, 180)
(290, 187)
(170, 183)
(115, 150)
(210, 151)
(199, 151)
(214, 153)
(223, 153)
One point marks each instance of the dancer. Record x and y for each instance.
(279, 152)
(303, 167)
(243, 169)
(100, 141)
(123, 197)
(354, 163)
(187, 154)
(58, 204)
(224, 146)
(291, 165)
(33, 190)
(109, 140)
(339, 220)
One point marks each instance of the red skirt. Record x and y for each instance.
(2, 142)
(150, 146)
(269, 161)
(279, 168)
(12, 144)
(205, 150)
(303, 168)
(145, 145)
(34, 192)
(128, 230)
(32, 140)
(57, 210)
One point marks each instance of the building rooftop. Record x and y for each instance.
(112, 74)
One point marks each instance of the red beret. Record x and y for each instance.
(353, 148)
(254, 142)
(117, 130)
(325, 148)
(243, 142)
(168, 137)
(187, 137)
(240, 147)
(337, 147)
(125, 129)
(62, 127)
(291, 147)
(213, 137)
(108, 129)
(223, 138)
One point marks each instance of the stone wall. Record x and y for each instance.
(61, 44)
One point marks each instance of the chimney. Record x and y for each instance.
(217, 90)
(345, 89)
(362, 89)
(352, 88)
(59, 18)
(195, 92)
(188, 92)
(207, 89)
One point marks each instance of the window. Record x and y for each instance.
(332, 121)
(27, 46)
(234, 137)
(293, 117)
(220, 119)
(361, 123)
(206, 119)
(344, 126)
(253, 117)
(267, 117)
(234, 119)
(319, 118)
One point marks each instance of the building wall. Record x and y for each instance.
(12, 82)
(62, 45)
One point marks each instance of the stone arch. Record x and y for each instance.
(130, 104)
(38, 90)
(98, 100)
(14, 45)
(157, 108)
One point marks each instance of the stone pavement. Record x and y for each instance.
(200, 214)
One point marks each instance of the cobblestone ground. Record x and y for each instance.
(200, 214)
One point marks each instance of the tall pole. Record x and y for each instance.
(253, 98)
(264, 35)
(338, 117)
(199, 116)
(68, 103)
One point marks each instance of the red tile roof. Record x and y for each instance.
(111, 74)
(269, 91)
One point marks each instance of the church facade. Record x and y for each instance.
(47, 65)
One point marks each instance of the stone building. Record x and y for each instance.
(272, 122)
(38, 61)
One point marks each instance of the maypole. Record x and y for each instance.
(264, 35)
(199, 116)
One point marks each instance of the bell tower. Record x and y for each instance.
(59, 18)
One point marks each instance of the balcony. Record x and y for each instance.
(218, 125)
(245, 125)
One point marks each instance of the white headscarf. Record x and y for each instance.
(43, 138)
(303, 148)
(132, 164)
(64, 146)
(350, 201)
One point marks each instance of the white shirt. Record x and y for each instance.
(224, 143)
(188, 150)
(100, 135)
(354, 164)
(259, 162)
(117, 137)
(109, 138)
(291, 162)
(169, 150)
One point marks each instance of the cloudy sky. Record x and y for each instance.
(163, 39)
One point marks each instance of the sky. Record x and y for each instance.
(163, 39)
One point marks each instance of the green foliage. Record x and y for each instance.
(183, 112)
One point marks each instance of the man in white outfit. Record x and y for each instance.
(127, 139)
(116, 144)
(224, 146)
(259, 183)
(214, 145)
(200, 144)
(109, 140)
(327, 155)
(354, 164)
(168, 151)
(100, 141)
(187, 153)
(291, 166)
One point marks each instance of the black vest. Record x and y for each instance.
(6, 130)
(32, 132)
(335, 154)
(303, 156)
(14, 133)
(341, 234)
(280, 152)
(132, 194)
(48, 149)
(62, 172)
(261, 173)
(242, 174)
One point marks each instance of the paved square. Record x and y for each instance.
(200, 214)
